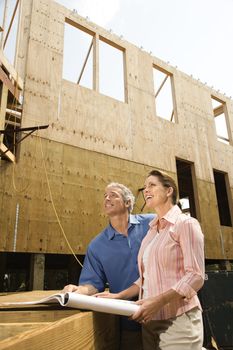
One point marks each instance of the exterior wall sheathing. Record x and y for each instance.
(93, 139)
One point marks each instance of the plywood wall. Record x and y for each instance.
(94, 139)
(76, 178)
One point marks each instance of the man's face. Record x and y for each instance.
(113, 202)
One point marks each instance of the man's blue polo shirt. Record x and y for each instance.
(112, 257)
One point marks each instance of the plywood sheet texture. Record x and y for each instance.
(94, 139)
(77, 178)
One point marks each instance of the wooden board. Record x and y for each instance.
(52, 329)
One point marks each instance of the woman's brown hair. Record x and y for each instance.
(166, 181)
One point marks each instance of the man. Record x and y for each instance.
(111, 257)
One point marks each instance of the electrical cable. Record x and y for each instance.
(54, 208)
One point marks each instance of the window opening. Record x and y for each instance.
(93, 62)
(222, 189)
(164, 106)
(78, 56)
(111, 70)
(9, 21)
(220, 114)
(186, 182)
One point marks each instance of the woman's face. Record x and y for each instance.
(155, 194)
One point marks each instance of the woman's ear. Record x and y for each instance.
(169, 191)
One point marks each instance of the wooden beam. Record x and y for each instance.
(3, 22)
(11, 22)
(79, 26)
(163, 82)
(11, 70)
(37, 271)
(3, 105)
(10, 122)
(6, 81)
(219, 110)
(81, 331)
(95, 73)
(14, 113)
(6, 152)
(85, 62)
(36, 315)
(11, 329)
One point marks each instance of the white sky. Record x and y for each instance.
(194, 35)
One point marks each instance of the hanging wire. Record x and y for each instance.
(14, 183)
(54, 208)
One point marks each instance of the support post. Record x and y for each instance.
(37, 272)
(225, 265)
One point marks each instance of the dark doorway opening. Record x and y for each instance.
(185, 176)
(222, 198)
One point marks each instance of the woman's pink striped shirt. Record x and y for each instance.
(175, 261)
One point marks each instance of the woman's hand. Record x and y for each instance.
(151, 306)
(107, 295)
(148, 308)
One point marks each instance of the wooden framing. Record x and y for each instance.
(11, 71)
(85, 62)
(8, 153)
(94, 139)
(162, 84)
(3, 99)
(6, 81)
(13, 84)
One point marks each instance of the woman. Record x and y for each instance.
(171, 266)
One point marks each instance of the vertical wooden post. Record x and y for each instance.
(3, 105)
(96, 63)
(4, 23)
(225, 265)
(37, 271)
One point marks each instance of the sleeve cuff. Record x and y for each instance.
(185, 290)
(138, 282)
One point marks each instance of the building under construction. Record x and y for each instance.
(82, 107)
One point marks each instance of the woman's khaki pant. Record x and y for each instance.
(184, 332)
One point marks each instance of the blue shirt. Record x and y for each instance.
(112, 257)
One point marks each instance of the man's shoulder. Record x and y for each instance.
(144, 217)
(99, 238)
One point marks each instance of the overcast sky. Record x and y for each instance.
(194, 35)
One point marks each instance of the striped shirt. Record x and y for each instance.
(175, 261)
